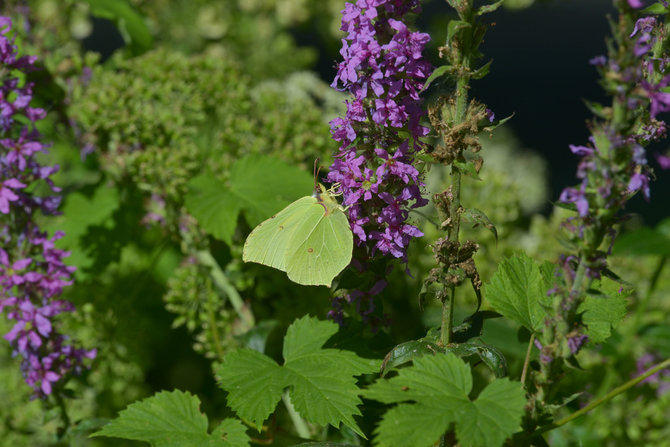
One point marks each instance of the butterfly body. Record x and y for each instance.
(310, 240)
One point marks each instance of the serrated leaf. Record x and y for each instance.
(498, 412)
(254, 383)
(172, 419)
(517, 289)
(601, 314)
(233, 433)
(433, 393)
(215, 211)
(321, 382)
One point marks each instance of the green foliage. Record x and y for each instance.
(601, 313)
(434, 393)
(321, 380)
(173, 419)
(518, 290)
(258, 186)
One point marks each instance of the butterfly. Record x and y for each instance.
(310, 240)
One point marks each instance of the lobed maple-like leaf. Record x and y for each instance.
(433, 394)
(321, 382)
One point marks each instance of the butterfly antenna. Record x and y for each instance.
(317, 168)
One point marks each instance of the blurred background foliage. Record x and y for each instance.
(181, 98)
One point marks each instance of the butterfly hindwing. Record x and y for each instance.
(320, 248)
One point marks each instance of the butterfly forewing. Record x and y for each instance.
(267, 244)
(320, 248)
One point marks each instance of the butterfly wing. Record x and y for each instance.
(268, 242)
(321, 247)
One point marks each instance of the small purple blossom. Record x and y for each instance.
(383, 68)
(32, 271)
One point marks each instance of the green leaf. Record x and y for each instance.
(489, 355)
(434, 393)
(406, 352)
(173, 419)
(254, 383)
(258, 186)
(468, 169)
(215, 211)
(489, 8)
(265, 185)
(437, 73)
(131, 24)
(643, 241)
(517, 289)
(473, 215)
(80, 214)
(454, 27)
(482, 71)
(321, 381)
(233, 432)
(656, 8)
(601, 314)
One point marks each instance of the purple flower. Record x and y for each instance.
(7, 195)
(663, 161)
(384, 70)
(635, 3)
(32, 271)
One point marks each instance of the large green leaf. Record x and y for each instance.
(434, 393)
(601, 314)
(258, 186)
(321, 382)
(517, 290)
(173, 419)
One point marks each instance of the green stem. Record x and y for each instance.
(300, 425)
(223, 284)
(211, 317)
(526, 361)
(615, 392)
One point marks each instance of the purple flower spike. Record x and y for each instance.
(32, 271)
(384, 70)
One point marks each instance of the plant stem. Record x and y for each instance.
(526, 361)
(65, 418)
(300, 425)
(615, 392)
(223, 284)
